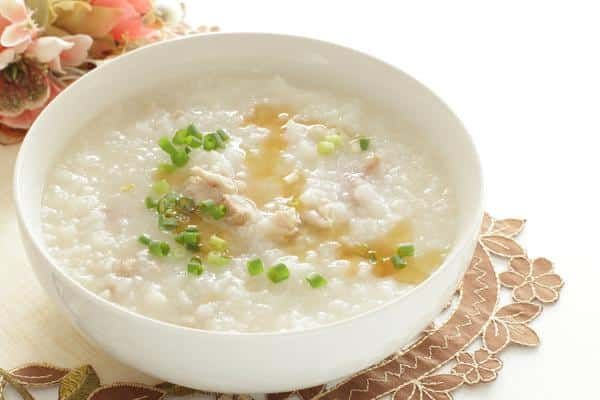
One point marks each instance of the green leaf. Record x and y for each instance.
(42, 12)
(78, 384)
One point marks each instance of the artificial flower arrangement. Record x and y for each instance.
(47, 44)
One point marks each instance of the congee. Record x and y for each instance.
(248, 204)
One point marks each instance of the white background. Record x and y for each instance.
(524, 78)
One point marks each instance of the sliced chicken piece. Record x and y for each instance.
(240, 209)
(327, 215)
(312, 197)
(370, 163)
(204, 184)
(283, 224)
(364, 194)
(196, 188)
(216, 181)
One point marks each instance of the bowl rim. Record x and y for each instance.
(461, 242)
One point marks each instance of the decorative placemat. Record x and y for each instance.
(460, 348)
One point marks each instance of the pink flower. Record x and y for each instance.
(27, 117)
(77, 54)
(142, 6)
(6, 57)
(16, 25)
(25, 89)
(130, 25)
(28, 93)
(16, 30)
(69, 51)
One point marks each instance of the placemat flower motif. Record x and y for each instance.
(532, 280)
(480, 366)
(467, 343)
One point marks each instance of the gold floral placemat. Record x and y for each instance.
(461, 347)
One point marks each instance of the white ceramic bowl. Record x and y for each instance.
(248, 362)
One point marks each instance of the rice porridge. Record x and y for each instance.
(249, 205)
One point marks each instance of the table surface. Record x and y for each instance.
(523, 77)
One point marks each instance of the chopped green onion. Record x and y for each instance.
(316, 281)
(179, 238)
(161, 187)
(193, 131)
(194, 142)
(180, 158)
(193, 247)
(324, 147)
(211, 141)
(186, 204)
(150, 203)
(364, 143)
(191, 238)
(154, 248)
(405, 250)
(206, 204)
(144, 239)
(163, 206)
(194, 267)
(255, 266)
(165, 144)
(180, 136)
(223, 135)
(217, 243)
(278, 273)
(335, 139)
(166, 168)
(398, 262)
(217, 211)
(167, 203)
(159, 249)
(217, 259)
(220, 142)
(167, 223)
